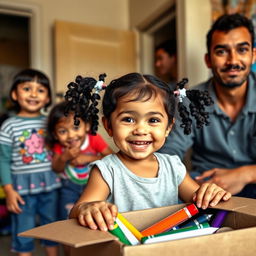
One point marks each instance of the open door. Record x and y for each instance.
(88, 50)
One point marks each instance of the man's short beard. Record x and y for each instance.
(231, 85)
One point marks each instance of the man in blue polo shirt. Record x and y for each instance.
(225, 151)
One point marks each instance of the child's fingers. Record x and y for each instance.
(114, 210)
(204, 195)
(220, 195)
(217, 197)
(108, 217)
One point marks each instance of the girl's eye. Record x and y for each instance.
(41, 90)
(128, 120)
(61, 132)
(26, 89)
(154, 120)
(76, 128)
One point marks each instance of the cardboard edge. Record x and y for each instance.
(69, 232)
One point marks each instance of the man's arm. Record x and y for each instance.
(232, 180)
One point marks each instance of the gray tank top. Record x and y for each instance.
(131, 192)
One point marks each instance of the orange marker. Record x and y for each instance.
(171, 221)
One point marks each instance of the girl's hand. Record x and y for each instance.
(96, 215)
(12, 201)
(210, 194)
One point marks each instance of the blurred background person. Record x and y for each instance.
(166, 62)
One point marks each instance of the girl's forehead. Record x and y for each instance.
(33, 83)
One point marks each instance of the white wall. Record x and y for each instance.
(109, 13)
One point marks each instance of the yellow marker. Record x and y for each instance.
(134, 231)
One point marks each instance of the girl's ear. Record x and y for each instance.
(14, 95)
(107, 126)
(169, 128)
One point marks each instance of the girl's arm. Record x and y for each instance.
(59, 160)
(203, 195)
(91, 209)
(84, 159)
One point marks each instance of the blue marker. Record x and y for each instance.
(197, 221)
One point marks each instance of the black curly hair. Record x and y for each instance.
(82, 99)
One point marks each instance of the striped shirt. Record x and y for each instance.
(25, 162)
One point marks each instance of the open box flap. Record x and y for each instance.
(69, 232)
(238, 204)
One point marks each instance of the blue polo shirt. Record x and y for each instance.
(222, 144)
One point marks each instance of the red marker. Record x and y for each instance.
(171, 221)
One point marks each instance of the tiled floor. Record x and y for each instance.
(5, 241)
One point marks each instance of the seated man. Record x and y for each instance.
(225, 151)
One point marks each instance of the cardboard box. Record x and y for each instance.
(240, 241)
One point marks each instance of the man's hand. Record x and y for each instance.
(232, 180)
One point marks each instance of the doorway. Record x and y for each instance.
(154, 33)
(15, 52)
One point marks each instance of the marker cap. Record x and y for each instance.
(192, 209)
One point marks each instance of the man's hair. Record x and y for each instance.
(169, 46)
(228, 22)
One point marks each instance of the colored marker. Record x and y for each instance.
(195, 222)
(128, 234)
(119, 233)
(203, 225)
(219, 218)
(135, 232)
(171, 221)
(179, 235)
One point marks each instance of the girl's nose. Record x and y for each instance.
(33, 93)
(140, 129)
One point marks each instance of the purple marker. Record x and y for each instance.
(219, 219)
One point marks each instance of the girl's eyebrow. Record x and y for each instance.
(151, 113)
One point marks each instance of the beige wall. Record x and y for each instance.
(109, 13)
(142, 11)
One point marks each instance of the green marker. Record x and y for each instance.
(200, 226)
(120, 234)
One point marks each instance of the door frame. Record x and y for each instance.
(33, 12)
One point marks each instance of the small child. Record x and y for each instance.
(73, 148)
(138, 114)
(29, 183)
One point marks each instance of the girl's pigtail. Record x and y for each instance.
(82, 97)
(198, 101)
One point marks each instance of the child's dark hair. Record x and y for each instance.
(228, 22)
(30, 75)
(142, 87)
(82, 97)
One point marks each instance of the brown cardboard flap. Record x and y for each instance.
(69, 232)
(239, 204)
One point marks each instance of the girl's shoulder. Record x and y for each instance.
(167, 159)
(10, 121)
